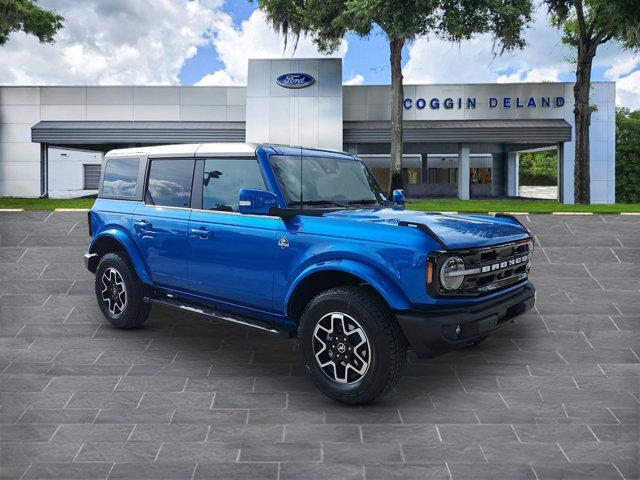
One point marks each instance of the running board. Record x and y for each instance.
(210, 312)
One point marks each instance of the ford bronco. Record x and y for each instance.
(302, 242)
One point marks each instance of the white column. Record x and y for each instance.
(513, 167)
(463, 171)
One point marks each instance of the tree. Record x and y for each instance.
(327, 21)
(28, 17)
(627, 155)
(587, 24)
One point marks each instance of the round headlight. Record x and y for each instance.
(448, 278)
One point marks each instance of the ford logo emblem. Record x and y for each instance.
(295, 80)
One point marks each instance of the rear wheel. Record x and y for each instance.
(353, 347)
(119, 292)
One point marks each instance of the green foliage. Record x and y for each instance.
(627, 155)
(327, 21)
(28, 17)
(539, 168)
(594, 22)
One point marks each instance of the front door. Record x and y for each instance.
(232, 256)
(161, 223)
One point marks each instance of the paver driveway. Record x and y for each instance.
(553, 396)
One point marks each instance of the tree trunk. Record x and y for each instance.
(582, 115)
(397, 97)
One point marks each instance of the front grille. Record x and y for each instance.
(491, 268)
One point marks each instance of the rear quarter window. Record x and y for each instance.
(120, 177)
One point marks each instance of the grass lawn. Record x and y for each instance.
(530, 206)
(46, 203)
(438, 205)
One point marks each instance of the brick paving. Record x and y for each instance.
(554, 396)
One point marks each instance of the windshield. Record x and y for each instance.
(331, 182)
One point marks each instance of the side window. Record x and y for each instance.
(169, 183)
(120, 177)
(223, 179)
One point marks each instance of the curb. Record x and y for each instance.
(71, 210)
(630, 213)
(571, 213)
(11, 209)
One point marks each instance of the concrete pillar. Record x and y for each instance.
(463, 171)
(562, 175)
(513, 166)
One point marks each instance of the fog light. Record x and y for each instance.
(451, 276)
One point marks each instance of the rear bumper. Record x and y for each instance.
(434, 332)
(91, 261)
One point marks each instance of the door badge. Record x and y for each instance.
(283, 243)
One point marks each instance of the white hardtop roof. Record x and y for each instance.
(188, 150)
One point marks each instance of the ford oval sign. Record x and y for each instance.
(295, 80)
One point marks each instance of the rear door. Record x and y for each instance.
(232, 255)
(161, 222)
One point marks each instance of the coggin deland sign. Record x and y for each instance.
(469, 103)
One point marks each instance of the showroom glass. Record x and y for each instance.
(169, 183)
(120, 176)
(333, 180)
(223, 179)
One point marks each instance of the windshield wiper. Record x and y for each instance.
(319, 203)
(363, 202)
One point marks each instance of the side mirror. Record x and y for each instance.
(398, 199)
(256, 202)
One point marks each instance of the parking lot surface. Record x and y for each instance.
(555, 395)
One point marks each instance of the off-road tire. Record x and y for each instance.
(388, 346)
(135, 311)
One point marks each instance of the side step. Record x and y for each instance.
(205, 310)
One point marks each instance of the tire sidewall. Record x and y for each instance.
(118, 263)
(379, 358)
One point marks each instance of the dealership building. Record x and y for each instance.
(460, 140)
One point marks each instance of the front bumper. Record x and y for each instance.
(434, 332)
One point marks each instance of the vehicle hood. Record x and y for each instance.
(455, 231)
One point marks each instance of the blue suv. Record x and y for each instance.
(302, 242)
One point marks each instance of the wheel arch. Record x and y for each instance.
(115, 240)
(321, 277)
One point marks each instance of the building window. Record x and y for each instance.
(443, 175)
(480, 175)
(223, 179)
(413, 176)
(91, 176)
(169, 183)
(120, 177)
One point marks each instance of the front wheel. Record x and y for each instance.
(352, 344)
(119, 292)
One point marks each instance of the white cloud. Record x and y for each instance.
(545, 58)
(622, 65)
(436, 61)
(357, 79)
(531, 75)
(628, 91)
(253, 39)
(114, 42)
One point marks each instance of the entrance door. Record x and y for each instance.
(160, 223)
(232, 255)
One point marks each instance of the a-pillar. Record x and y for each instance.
(512, 174)
(463, 171)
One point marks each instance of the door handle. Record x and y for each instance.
(144, 225)
(202, 232)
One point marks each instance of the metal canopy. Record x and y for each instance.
(453, 131)
(436, 131)
(71, 133)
